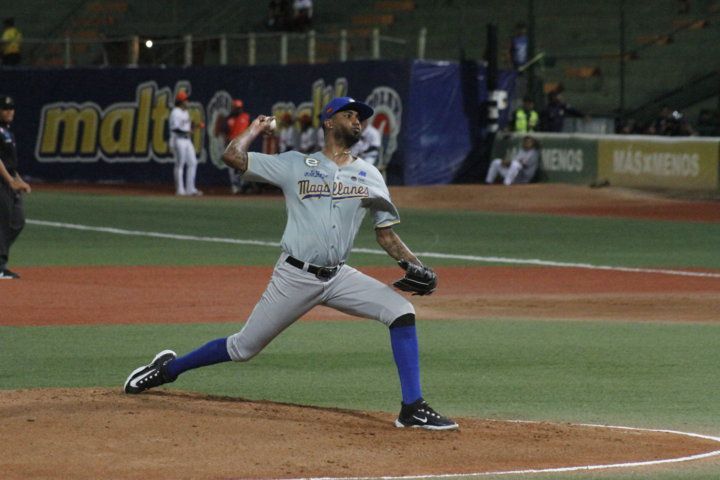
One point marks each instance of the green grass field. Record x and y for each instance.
(655, 375)
(603, 241)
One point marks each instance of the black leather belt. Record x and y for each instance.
(324, 273)
(181, 134)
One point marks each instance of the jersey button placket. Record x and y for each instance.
(335, 214)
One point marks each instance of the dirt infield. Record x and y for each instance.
(101, 433)
(106, 435)
(112, 295)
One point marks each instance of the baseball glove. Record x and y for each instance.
(418, 279)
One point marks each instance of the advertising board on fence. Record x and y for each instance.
(624, 160)
(676, 163)
(111, 125)
(563, 158)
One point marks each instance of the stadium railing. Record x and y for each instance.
(225, 49)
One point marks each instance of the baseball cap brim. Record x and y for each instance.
(340, 104)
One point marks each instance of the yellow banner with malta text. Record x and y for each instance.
(663, 162)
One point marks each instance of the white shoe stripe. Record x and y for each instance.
(134, 382)
(140, 369)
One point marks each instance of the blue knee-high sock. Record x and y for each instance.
(405, 350)
(209, 354)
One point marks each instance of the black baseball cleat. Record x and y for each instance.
(6, 274)
(151, 375)
(421, 415)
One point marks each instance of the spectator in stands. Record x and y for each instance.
(308, 134)
(519, 46)
(521, 168)
(671, 123)
(370, 144)
(628, 126)
(678, 126)
(661, 123)
(708, 124)
(525, 119)
(11, 43)
(279, 15)
(553, 115)
(302, 14)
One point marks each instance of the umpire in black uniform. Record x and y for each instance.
(12, 214)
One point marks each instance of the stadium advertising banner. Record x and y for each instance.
(446, 118)
(110, 125)
(676, 163)
(563, 158)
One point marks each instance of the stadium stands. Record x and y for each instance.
(581, 40)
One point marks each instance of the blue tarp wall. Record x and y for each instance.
(110, 125)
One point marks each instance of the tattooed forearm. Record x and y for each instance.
(235, 157)
(394, 246)
(236, 153)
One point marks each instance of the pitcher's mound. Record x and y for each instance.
(103, 433)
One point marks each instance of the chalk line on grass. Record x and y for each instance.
(440, 255)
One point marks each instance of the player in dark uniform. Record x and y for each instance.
(12, 214)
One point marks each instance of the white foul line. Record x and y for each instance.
(141, 233)
(447, 256)
(647, 463)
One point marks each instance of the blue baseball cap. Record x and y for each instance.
(346, 103)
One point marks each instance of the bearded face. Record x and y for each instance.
(346, 128)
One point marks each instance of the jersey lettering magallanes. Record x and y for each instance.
(340, 191)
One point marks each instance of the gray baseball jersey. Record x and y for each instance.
(326, 205)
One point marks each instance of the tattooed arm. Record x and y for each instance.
(236, 153)
(394, 246)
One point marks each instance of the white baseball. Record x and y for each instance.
(273, 124)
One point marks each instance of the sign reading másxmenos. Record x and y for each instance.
(564, 158)
(661, 162)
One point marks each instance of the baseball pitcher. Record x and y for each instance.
(327, 194)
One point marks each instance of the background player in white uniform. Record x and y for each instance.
(327, 194)
(287, 135)
(521, 168)
(308, 135)
(182, 147)
(369, 145)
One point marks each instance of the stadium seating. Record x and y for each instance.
(581, 40)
